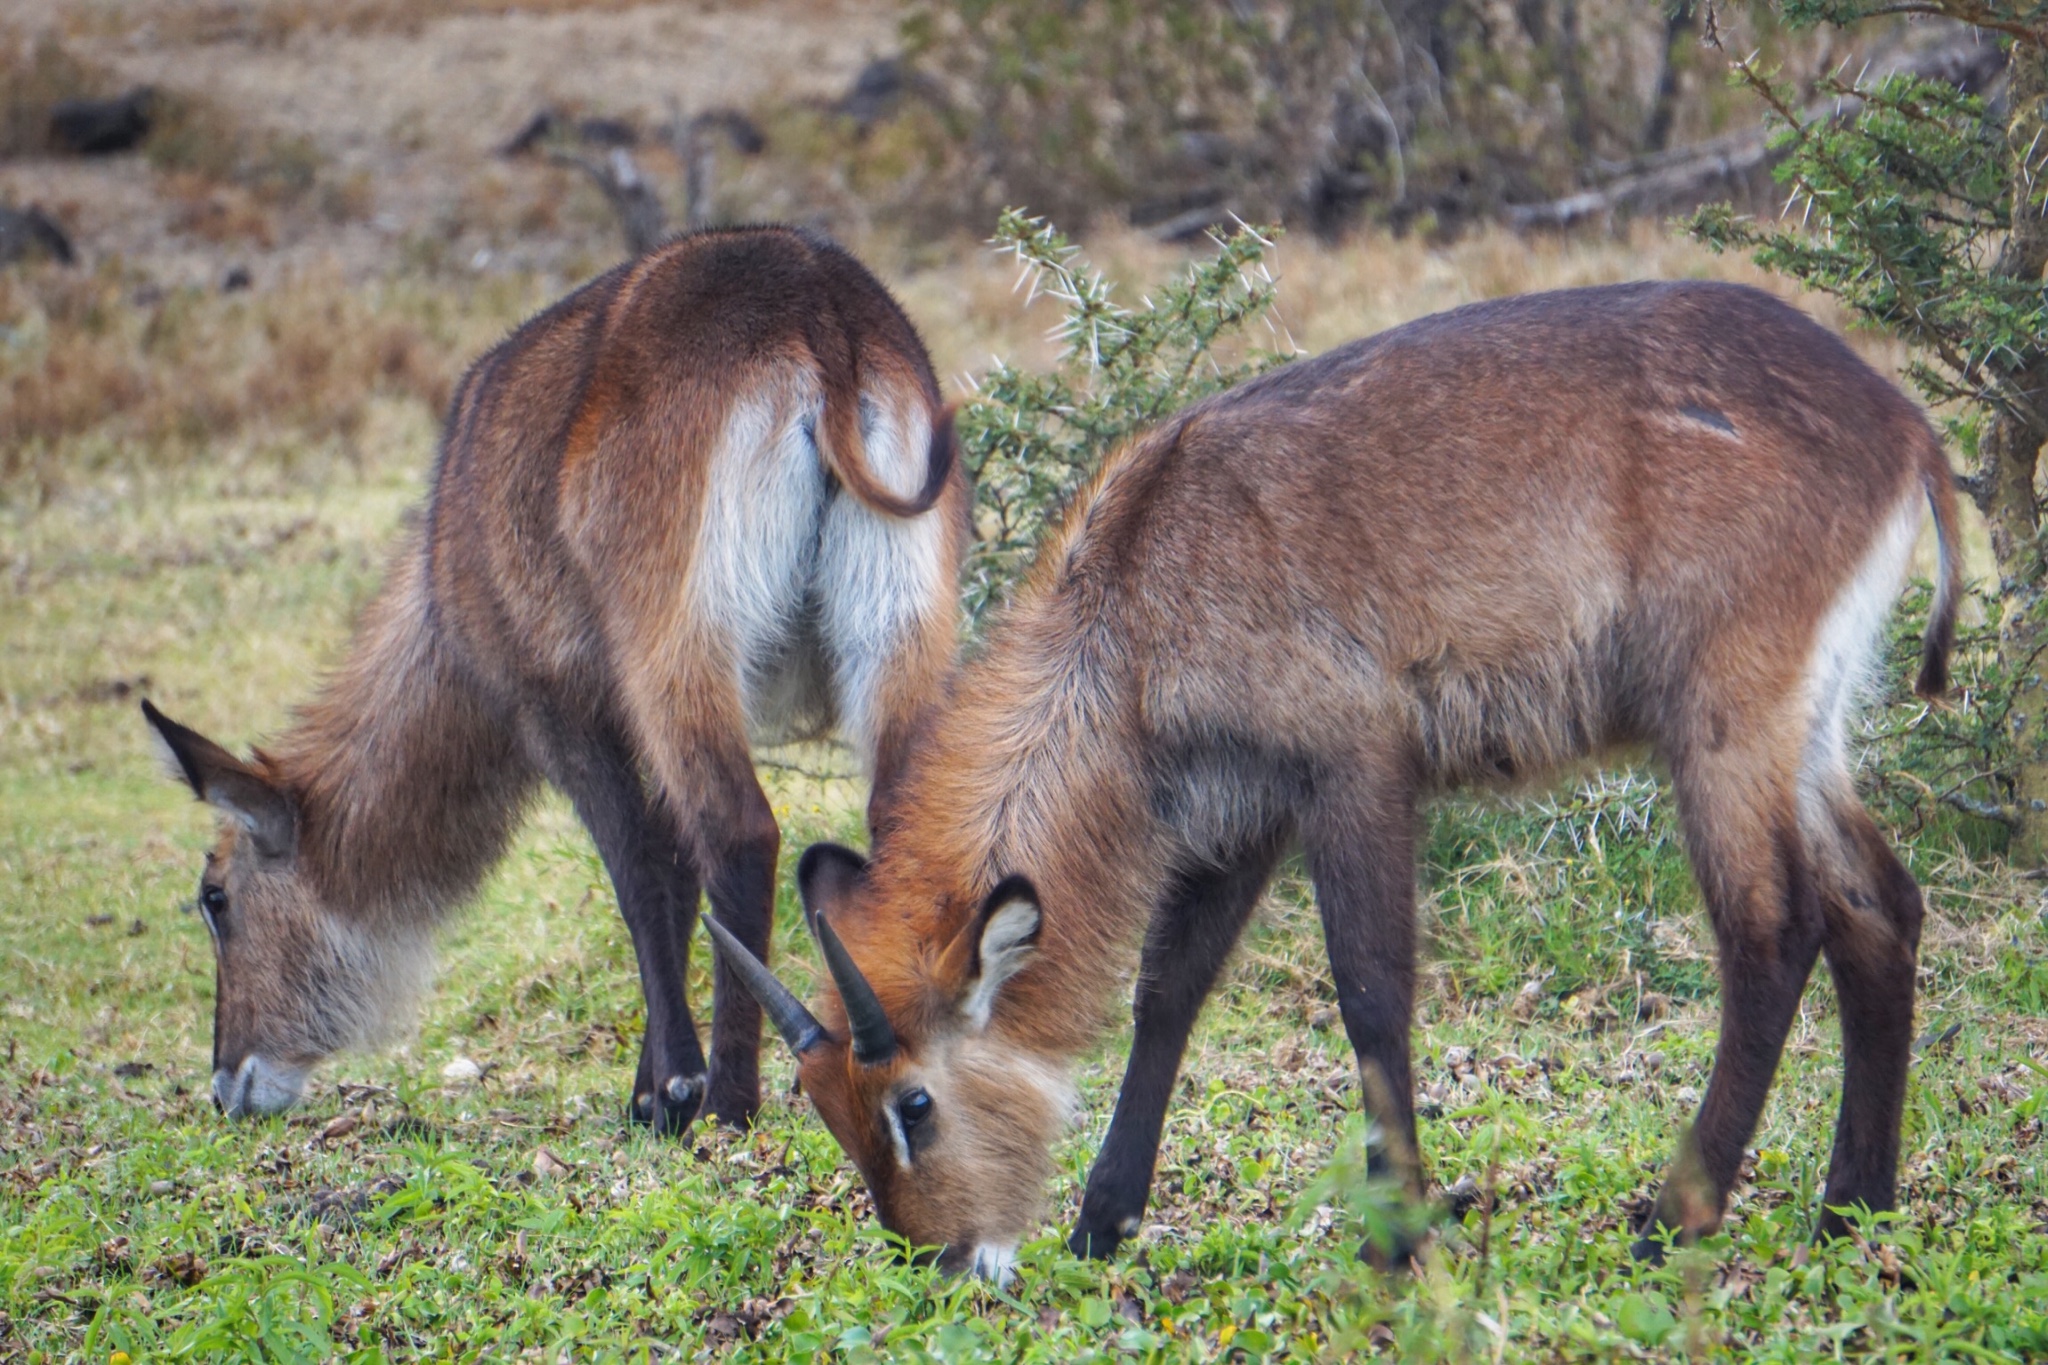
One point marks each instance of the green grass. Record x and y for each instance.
(1567, 1025)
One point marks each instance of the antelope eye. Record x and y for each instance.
(213, 900)
(913, 1108)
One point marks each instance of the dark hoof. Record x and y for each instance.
(1398, 1256)
(671, 1108)
(1648, 1250)
(734, 1105)
(1093, 1241)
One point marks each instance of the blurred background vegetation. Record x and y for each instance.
(246, 249)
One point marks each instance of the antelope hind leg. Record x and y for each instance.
(1749, 856)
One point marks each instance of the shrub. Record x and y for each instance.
(1031, 439)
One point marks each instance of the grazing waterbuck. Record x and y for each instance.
(1472, 550)
(709, 496)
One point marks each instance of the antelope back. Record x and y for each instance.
(1471, 550)
(711, 491)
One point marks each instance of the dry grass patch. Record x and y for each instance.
(103, 368)
(274, 22)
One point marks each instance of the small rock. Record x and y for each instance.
(1455, 1057)
(462, 1071)
(162, 1187)
(1324, 1018)
(1686, 1094)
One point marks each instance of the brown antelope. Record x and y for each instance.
(1471, 550)
(708, 496)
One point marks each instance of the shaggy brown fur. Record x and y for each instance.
(708, 495)
(1471, 550)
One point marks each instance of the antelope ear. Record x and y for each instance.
(1004, 939)
(227, 784)
(826, 876)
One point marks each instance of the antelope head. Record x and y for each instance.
(294, 981)
(950, 1124)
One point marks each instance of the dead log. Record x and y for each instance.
(28, 233)
(695, 142)
(642, 220)
(549, 125)
(1681, 177)
(101, 127)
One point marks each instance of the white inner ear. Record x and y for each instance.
(241, 815)
(167, 757)
(1005, 948)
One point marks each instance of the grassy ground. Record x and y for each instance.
(1566, 1030)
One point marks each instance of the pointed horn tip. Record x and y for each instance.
(874, 1038)
(799, 1028)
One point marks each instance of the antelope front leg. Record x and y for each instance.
(1190, 938)
(670, 1083)
(739, 842)
(1360, 844)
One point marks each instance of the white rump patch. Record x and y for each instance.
(896, 437)
(878, 576)
(755, 549)
(802, 583)
(1847, 643)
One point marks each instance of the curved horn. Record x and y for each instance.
(797, 1025)
(874, 1042)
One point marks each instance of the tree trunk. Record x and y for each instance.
(2009, 451)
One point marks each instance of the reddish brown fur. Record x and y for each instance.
(575, 606)
(1475, 549)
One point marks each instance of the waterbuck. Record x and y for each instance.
(709, 495)
(1469, 551)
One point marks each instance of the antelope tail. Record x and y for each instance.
(844, 449)
(1940, 635)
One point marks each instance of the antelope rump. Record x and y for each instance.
(1473, 550)
(708, 497)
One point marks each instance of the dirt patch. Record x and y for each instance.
(404, 123)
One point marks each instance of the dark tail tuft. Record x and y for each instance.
(1940, 635)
